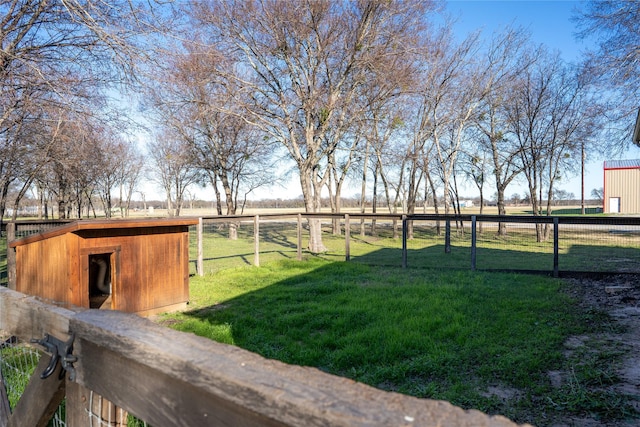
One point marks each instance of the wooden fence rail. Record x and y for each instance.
(169, 378)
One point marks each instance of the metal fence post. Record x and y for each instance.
(473, 243)
(404, 241)
(256, 241)
(347, 238)
(556, 250)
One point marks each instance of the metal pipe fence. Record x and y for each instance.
(549, 244)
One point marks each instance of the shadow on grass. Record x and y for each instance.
(575, 259)
(601, 259)
(459, 258)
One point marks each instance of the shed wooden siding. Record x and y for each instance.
(152, 266)
(150, 272)
(45, 269)
(622, 181)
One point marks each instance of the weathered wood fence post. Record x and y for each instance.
(200, 261)
(256, 241)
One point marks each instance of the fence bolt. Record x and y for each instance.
(60, 350)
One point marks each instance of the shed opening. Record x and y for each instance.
(100, 280)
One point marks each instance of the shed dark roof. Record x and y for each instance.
(622, 164)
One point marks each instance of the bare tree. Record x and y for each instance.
(459, 91)
(174, 168)
(384, 121)
(119, 167)
(68, 168)
(304, 65)
(508, 55)
(197, 105)
(130, 169)
(529, 117)
(598, 194)
(616, 61)
(550, 116)
(61, 55)
(476, 169)
(443, 102)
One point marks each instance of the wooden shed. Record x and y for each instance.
(621, 186)
(136, 266)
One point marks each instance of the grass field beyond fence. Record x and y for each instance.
(599, 245)
(480, 340)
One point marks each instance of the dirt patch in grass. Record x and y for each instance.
(614, 353)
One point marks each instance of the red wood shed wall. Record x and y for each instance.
(149, 263)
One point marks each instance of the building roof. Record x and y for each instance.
(622, 164)
(114, 224)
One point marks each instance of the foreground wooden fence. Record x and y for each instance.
(168, 378)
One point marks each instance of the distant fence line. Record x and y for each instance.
(571, 244)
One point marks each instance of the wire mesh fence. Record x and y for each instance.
(526, 244)
(18, 361)
(18, 230)
(592, 244)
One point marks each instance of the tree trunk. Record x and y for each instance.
(374, 201)
(333, 202)
(231, 207)
(3, 201)
(313, 202)
(363, 188)
(436, 207)
(337, 230)
(213, 180)
(169, 205)
(502, 210)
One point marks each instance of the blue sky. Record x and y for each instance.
(549, 22)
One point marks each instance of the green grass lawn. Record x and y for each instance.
(457, 336)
